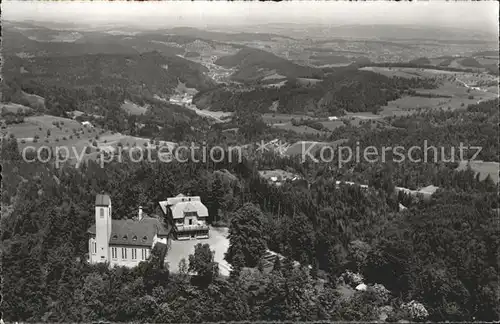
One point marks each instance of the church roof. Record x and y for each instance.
(102, 200)
(135, 233)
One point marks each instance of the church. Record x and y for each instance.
(124, 242)
(127, 242)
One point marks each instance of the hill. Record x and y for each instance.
(486, 53)
(470, 62)
(325, 59)
(345, 89)
(142, 74)
(254, 64)
(40, 41)
(421, 61)
(222, 36)
(16, 43)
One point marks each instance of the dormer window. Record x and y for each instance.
(144, 238)
(134, 238)
(115, 237)
(125, 237)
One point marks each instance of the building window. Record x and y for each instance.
(114, 253)
(187, 214)
(134, 254)
(124, 253)
(143, 254)
(190, 222)
(94, 247)
(102, 212)
(147, 253)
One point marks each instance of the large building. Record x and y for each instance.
(124, 242)
(189, 216)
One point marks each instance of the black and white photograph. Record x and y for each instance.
(249, 161)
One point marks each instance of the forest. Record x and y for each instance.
(346, 89)
(442, 253)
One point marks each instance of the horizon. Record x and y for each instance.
(477, 16)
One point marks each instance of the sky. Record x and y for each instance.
(466, 14)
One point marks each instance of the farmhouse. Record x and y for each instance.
(87, 124)
(278, 177)
(124, 242)
(189, 216)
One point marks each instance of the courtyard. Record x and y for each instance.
(218, 242)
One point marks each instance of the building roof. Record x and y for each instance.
(180, 204)
(136, 233)
(180, 208)
(429, 189)
(102, 200)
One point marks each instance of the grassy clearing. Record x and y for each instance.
(278, 173)
(332, 124)
(299, 129)
(38, 131)
(134, 109)
(14, 108)
(307, 81)
(33, 100)
(392, 72)
(483, 168)
(278, 118)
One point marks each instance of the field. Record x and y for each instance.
(393, 72)
(332, 124)
(483, 168)
(306, 81)
(268, 174)
(299, 129)
(14, 108)
(284, 122)
(73, 135)
(463, 87)
(33, 100)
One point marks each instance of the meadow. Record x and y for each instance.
(51, 131)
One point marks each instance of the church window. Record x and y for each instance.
(102, 212)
